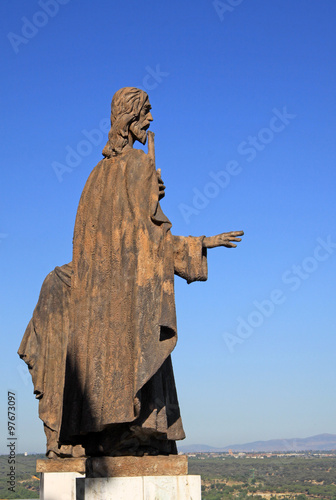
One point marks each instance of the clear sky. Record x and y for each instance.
(243, 98)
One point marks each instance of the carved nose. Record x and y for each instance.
(149, 117)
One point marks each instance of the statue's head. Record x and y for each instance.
(130, 114)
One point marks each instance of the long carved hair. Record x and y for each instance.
(125, 109)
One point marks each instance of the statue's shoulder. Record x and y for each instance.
(137, 155)
(134, 161)
(129, 156)
(130, 161)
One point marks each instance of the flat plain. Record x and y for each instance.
(224, 477)
(287, 476)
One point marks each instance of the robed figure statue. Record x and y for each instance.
(98, 345)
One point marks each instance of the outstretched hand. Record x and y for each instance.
(223, 240)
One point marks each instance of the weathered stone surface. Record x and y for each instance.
(61, 465)
(137, 466)
(99, 343)
(173, 465)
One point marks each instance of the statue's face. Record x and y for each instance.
(139, 128)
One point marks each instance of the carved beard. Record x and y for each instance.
(138, 132)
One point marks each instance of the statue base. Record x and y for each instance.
(120, 478)
(144, 488)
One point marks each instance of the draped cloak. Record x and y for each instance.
(109, 316)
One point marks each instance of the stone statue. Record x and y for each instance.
(98, 345)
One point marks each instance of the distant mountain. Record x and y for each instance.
(199, 448)
(321, 442)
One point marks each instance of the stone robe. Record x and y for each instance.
(105, 324)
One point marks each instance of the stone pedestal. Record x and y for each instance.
(62, 486)
(62, 479)
(144, 488)
(118, 478)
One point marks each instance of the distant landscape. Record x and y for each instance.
(279, 469)
(296, 476)
(321, 442)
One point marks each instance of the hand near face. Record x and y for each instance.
(162, 187)
(223, 240)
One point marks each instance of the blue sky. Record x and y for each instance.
(243, 98)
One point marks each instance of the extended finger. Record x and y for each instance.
(236, 233)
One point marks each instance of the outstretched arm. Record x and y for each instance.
(223, 240)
